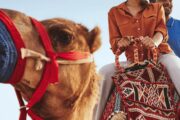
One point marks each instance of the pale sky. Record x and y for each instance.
(90, 13)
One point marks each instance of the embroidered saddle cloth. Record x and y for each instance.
(142, 92)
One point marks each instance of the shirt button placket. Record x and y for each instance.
(137, 21)
(138, 26)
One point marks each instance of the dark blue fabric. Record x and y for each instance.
(8, 54)
(173, 26)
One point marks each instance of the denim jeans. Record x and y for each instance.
(8, 54)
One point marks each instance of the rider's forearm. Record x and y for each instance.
(157, 38)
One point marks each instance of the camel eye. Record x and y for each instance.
(64, 38)
(60, 35)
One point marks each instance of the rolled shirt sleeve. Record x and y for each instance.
(161, 23)
(161, 27)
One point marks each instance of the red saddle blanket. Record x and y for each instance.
(143, 92)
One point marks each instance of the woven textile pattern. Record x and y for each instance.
(146, 93)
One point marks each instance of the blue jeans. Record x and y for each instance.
(8, 54)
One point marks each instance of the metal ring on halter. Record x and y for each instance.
(23, 107)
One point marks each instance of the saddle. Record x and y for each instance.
(142, 91)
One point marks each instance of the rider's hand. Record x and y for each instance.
(148, 42)
(123, 42)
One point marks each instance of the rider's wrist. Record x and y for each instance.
(156, 44)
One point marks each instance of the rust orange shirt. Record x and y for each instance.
(146, 23)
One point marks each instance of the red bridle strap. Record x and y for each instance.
(73, 55)
(50, 73)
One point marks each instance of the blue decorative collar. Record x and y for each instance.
(8, 54)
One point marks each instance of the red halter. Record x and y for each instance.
(50, 73)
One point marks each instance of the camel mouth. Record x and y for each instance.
(8, 54)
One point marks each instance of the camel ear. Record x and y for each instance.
(95, 40)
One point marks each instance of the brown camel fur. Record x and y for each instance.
(75, 96)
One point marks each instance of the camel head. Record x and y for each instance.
(74, 96)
